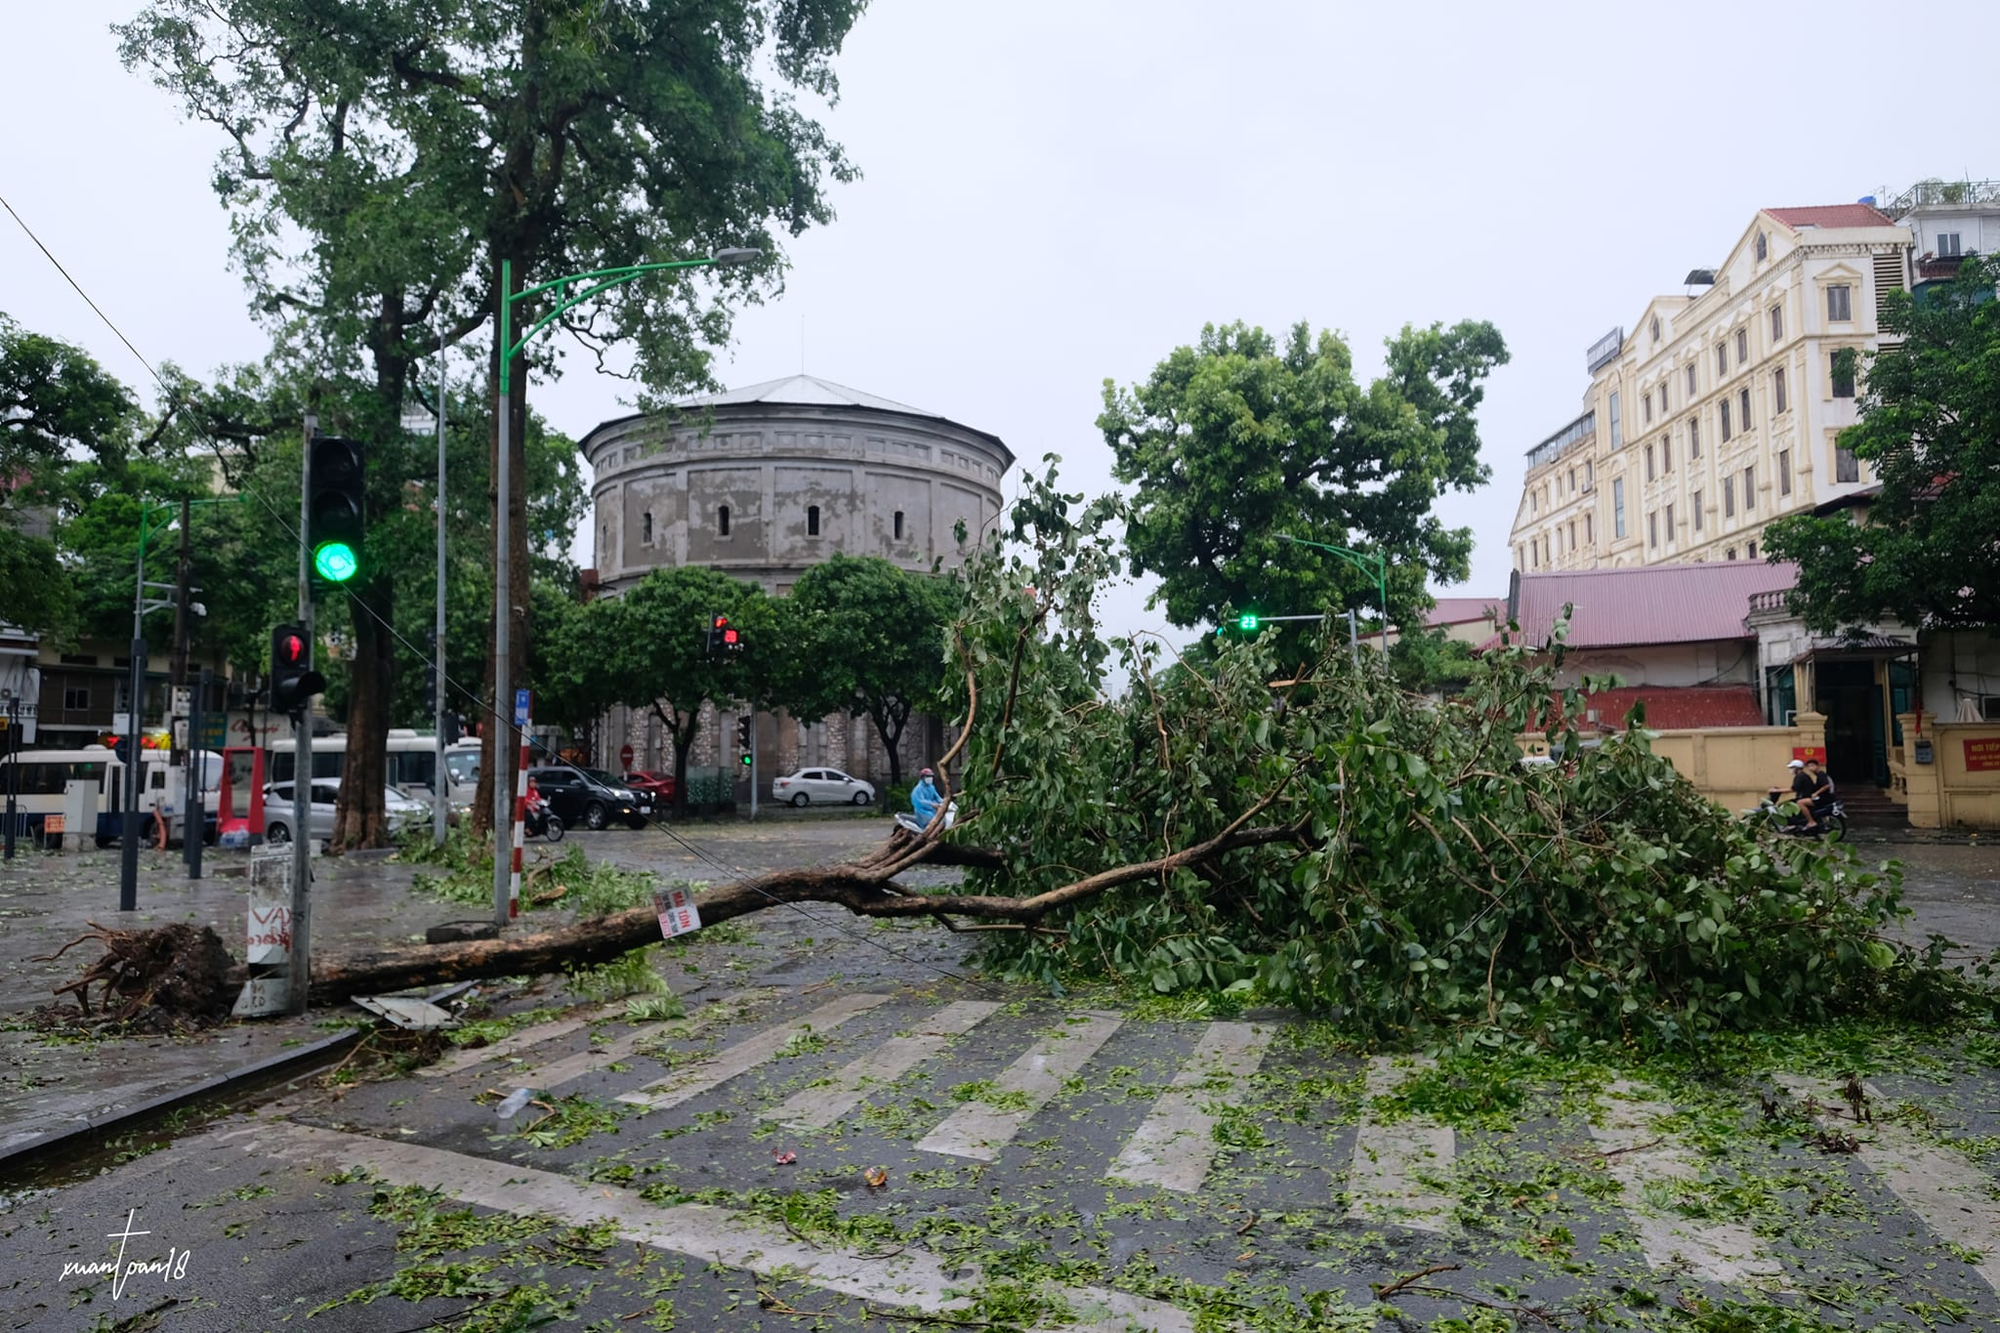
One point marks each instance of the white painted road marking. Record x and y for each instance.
(907, 1278)
(746, 1055)
(1947, 1193)
(1382, 1187)
(816, 1108)
(465, 1057)
(979, 1130)
(1175, 1145)
(1637, 1155)
(572, 1067)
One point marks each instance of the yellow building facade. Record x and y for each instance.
(1721, 410)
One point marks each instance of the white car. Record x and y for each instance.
(400, 810)
(823, 786)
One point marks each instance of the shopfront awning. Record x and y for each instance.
(1873, 648)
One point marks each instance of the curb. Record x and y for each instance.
(56, 1141)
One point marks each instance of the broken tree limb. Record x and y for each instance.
(863, 890)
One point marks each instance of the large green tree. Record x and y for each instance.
(58, 409)
(1236, 440)
(387, 158)
(867, 638)
(1924, 552)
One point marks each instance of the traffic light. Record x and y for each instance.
(723, 637)
(1247, 622)
(293, 681)
(745, 728)
(335, 524)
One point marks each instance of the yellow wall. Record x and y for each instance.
(1945, 793)
(1735, 767)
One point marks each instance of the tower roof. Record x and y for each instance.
(1832, 215)
(807, 391)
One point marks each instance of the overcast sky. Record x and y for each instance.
(1057, 193)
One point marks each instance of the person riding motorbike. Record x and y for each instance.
(1801, 788)
(924, 798)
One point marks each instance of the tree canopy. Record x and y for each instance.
(1925, 551)
(1236, 440)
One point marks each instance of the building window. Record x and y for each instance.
(76, 698)
(1763, 248)
(1572, 534)
(1729, 499)
(1742, 346)
(1694, 502)
(646, 527)
(1535, 552)
(1649, 462)
(1693, 388)
(899, 525)
(1572, 481)
(1749, 488)
(1751, 550)
(1646, 403)
(812, 520)
(1730, 554)
(1589, 477)
(1725, 421)
(1784, 471)
(1721, 360)
(1618, 506)
(1746, 410)
(1694, 437)
(1667, 453)
(1947, 247)
(1617, 436)
(1656, 318)
(1780, 400)
(1670, 525)
(1843, 375)
(1839, 303)
(1534, 503)
(1652, 528)
(1846, 467)
(1777, 323)
(722, 521)
(1589, 529)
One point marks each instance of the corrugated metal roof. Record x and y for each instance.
(1623, 608)
(1833, 215)
(806, 391)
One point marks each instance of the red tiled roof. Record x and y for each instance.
(1833, 215)
(1625, 608)
(1464, 610)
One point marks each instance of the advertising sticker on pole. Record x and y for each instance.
(520, 708)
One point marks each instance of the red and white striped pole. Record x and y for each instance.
(520, 817)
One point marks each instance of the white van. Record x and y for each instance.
(412, 760)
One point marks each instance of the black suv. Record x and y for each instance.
(590, 797)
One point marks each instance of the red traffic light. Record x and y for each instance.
(729, 637)
(291, 650)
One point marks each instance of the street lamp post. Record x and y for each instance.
(1372, 563)
(593, 283)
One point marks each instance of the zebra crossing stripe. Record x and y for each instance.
(465, 1057)
(572, 1067)
(818, 1107)
(746, 1055)
(1948, 1194)
(1382, 1186)
(1637, 1155)
(1174, 1146)
(981, 1130)
(910, 1279)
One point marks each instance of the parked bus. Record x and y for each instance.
(412, 760)
(42, 775)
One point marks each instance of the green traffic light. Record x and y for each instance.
(746, 761)
(1247, 622)
(336, 562)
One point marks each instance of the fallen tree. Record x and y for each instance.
(1329, 842)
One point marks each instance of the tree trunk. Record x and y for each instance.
(683, 739)
(360, 818)
(889, 725)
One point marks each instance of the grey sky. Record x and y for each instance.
(1056, 193)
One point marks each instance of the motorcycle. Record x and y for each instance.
(1832, 820)
(543, 823)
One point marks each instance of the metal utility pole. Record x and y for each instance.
(13, 769)
(439, 778)
(180, 666)
(753, 761)
(1353, 636)
(297, 964)
(503, 616)
(134, 769)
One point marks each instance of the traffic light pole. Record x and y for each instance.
(753, 762)
(298, 960)
(499, 721)
(439, 812)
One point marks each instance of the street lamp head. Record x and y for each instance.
(734, 255)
